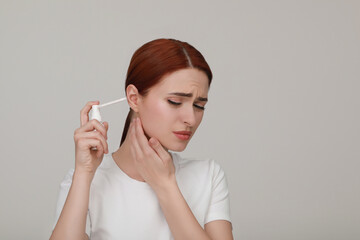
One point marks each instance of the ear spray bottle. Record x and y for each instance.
(95, 112)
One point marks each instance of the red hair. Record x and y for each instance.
(155, 59)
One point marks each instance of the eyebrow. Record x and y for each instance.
(181, 94)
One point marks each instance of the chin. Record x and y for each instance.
(176, 147)
(171, 144)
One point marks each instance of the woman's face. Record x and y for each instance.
(173, 109)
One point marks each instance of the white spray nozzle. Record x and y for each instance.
(95, 109)
(110, 103)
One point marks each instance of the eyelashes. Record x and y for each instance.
(174, 103)
(179, 103)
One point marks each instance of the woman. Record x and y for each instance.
(143, 191)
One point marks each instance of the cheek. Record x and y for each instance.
(157, 110)
(199, 119)
(154, 117)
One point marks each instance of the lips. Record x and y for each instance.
(183, 135)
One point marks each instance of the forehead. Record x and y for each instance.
(189, 80)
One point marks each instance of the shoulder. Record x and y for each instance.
(203, 183)
(208, 166)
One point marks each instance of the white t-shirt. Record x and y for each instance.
(123, 208)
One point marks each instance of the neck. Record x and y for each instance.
(125, 161)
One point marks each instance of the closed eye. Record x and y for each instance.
(199, 107)
(179, 103)
(174, 103)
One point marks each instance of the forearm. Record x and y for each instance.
(178, 214)
(72, 220)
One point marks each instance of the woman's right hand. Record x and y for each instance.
(87, 160)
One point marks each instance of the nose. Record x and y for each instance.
(188, 116)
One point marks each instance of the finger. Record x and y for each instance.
(84, 113)
(90, 143)
(93, 135)
(142, 140)
(96, 143)
(106, 125)
(159, 149)
(91, 125)
(134, 141)
(96, 135)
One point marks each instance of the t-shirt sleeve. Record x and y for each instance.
(219, 208)
(63, 192)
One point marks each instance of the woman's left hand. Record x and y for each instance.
(152, 161)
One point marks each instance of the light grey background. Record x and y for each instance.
(283, 117)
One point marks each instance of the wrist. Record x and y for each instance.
(166, 188)
(83, 175)
(85, 169)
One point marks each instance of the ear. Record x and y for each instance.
(133, 97)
